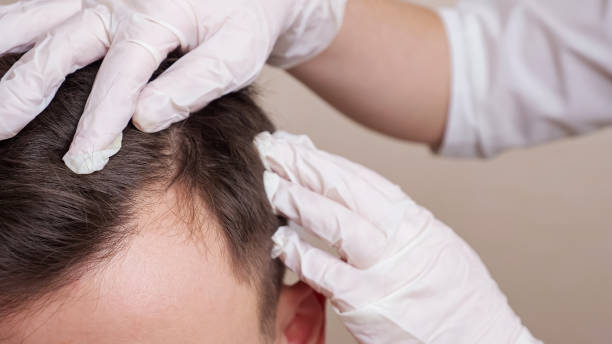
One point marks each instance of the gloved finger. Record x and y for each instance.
(137, 50)
(356, 239)
(229, 60)
(31, 83)
(34, 18)
(376, 199)
(322, 271)
(392, 191)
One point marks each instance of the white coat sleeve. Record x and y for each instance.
(526, 72)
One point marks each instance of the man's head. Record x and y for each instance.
(168, 244)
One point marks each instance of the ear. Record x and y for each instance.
(300, 316)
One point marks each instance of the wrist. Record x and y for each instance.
(309, 28)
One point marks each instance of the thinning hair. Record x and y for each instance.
(55, 225)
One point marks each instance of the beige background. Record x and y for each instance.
(540, 218)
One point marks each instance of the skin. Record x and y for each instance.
(395, 53)
(165, 287)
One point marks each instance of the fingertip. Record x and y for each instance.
(301, 257)
(271, 184)
(274, 152)
(88, 161)
(280, 239)
(5, 133)
(156, 111)
(263, 142)
(288, 247)
(277, 251)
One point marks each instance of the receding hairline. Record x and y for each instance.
(70, 102)
(148, 227)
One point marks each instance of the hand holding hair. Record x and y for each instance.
(402, 276)
(227, 43)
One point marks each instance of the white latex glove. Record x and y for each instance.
(403, 276)
(228, 42)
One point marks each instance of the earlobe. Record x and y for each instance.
(300, 316)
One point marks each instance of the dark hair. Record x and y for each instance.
(54, 224)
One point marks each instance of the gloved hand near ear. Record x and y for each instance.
(403, 276)
(227, 43)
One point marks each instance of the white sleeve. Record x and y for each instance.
(526, 72)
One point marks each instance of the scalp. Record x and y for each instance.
(57, 225)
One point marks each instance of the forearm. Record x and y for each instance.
(389, 69)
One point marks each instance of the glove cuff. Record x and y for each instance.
(316, 24)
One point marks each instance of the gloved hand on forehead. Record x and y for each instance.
(402, 275)
(227, 44)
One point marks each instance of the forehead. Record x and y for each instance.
(163, 287)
